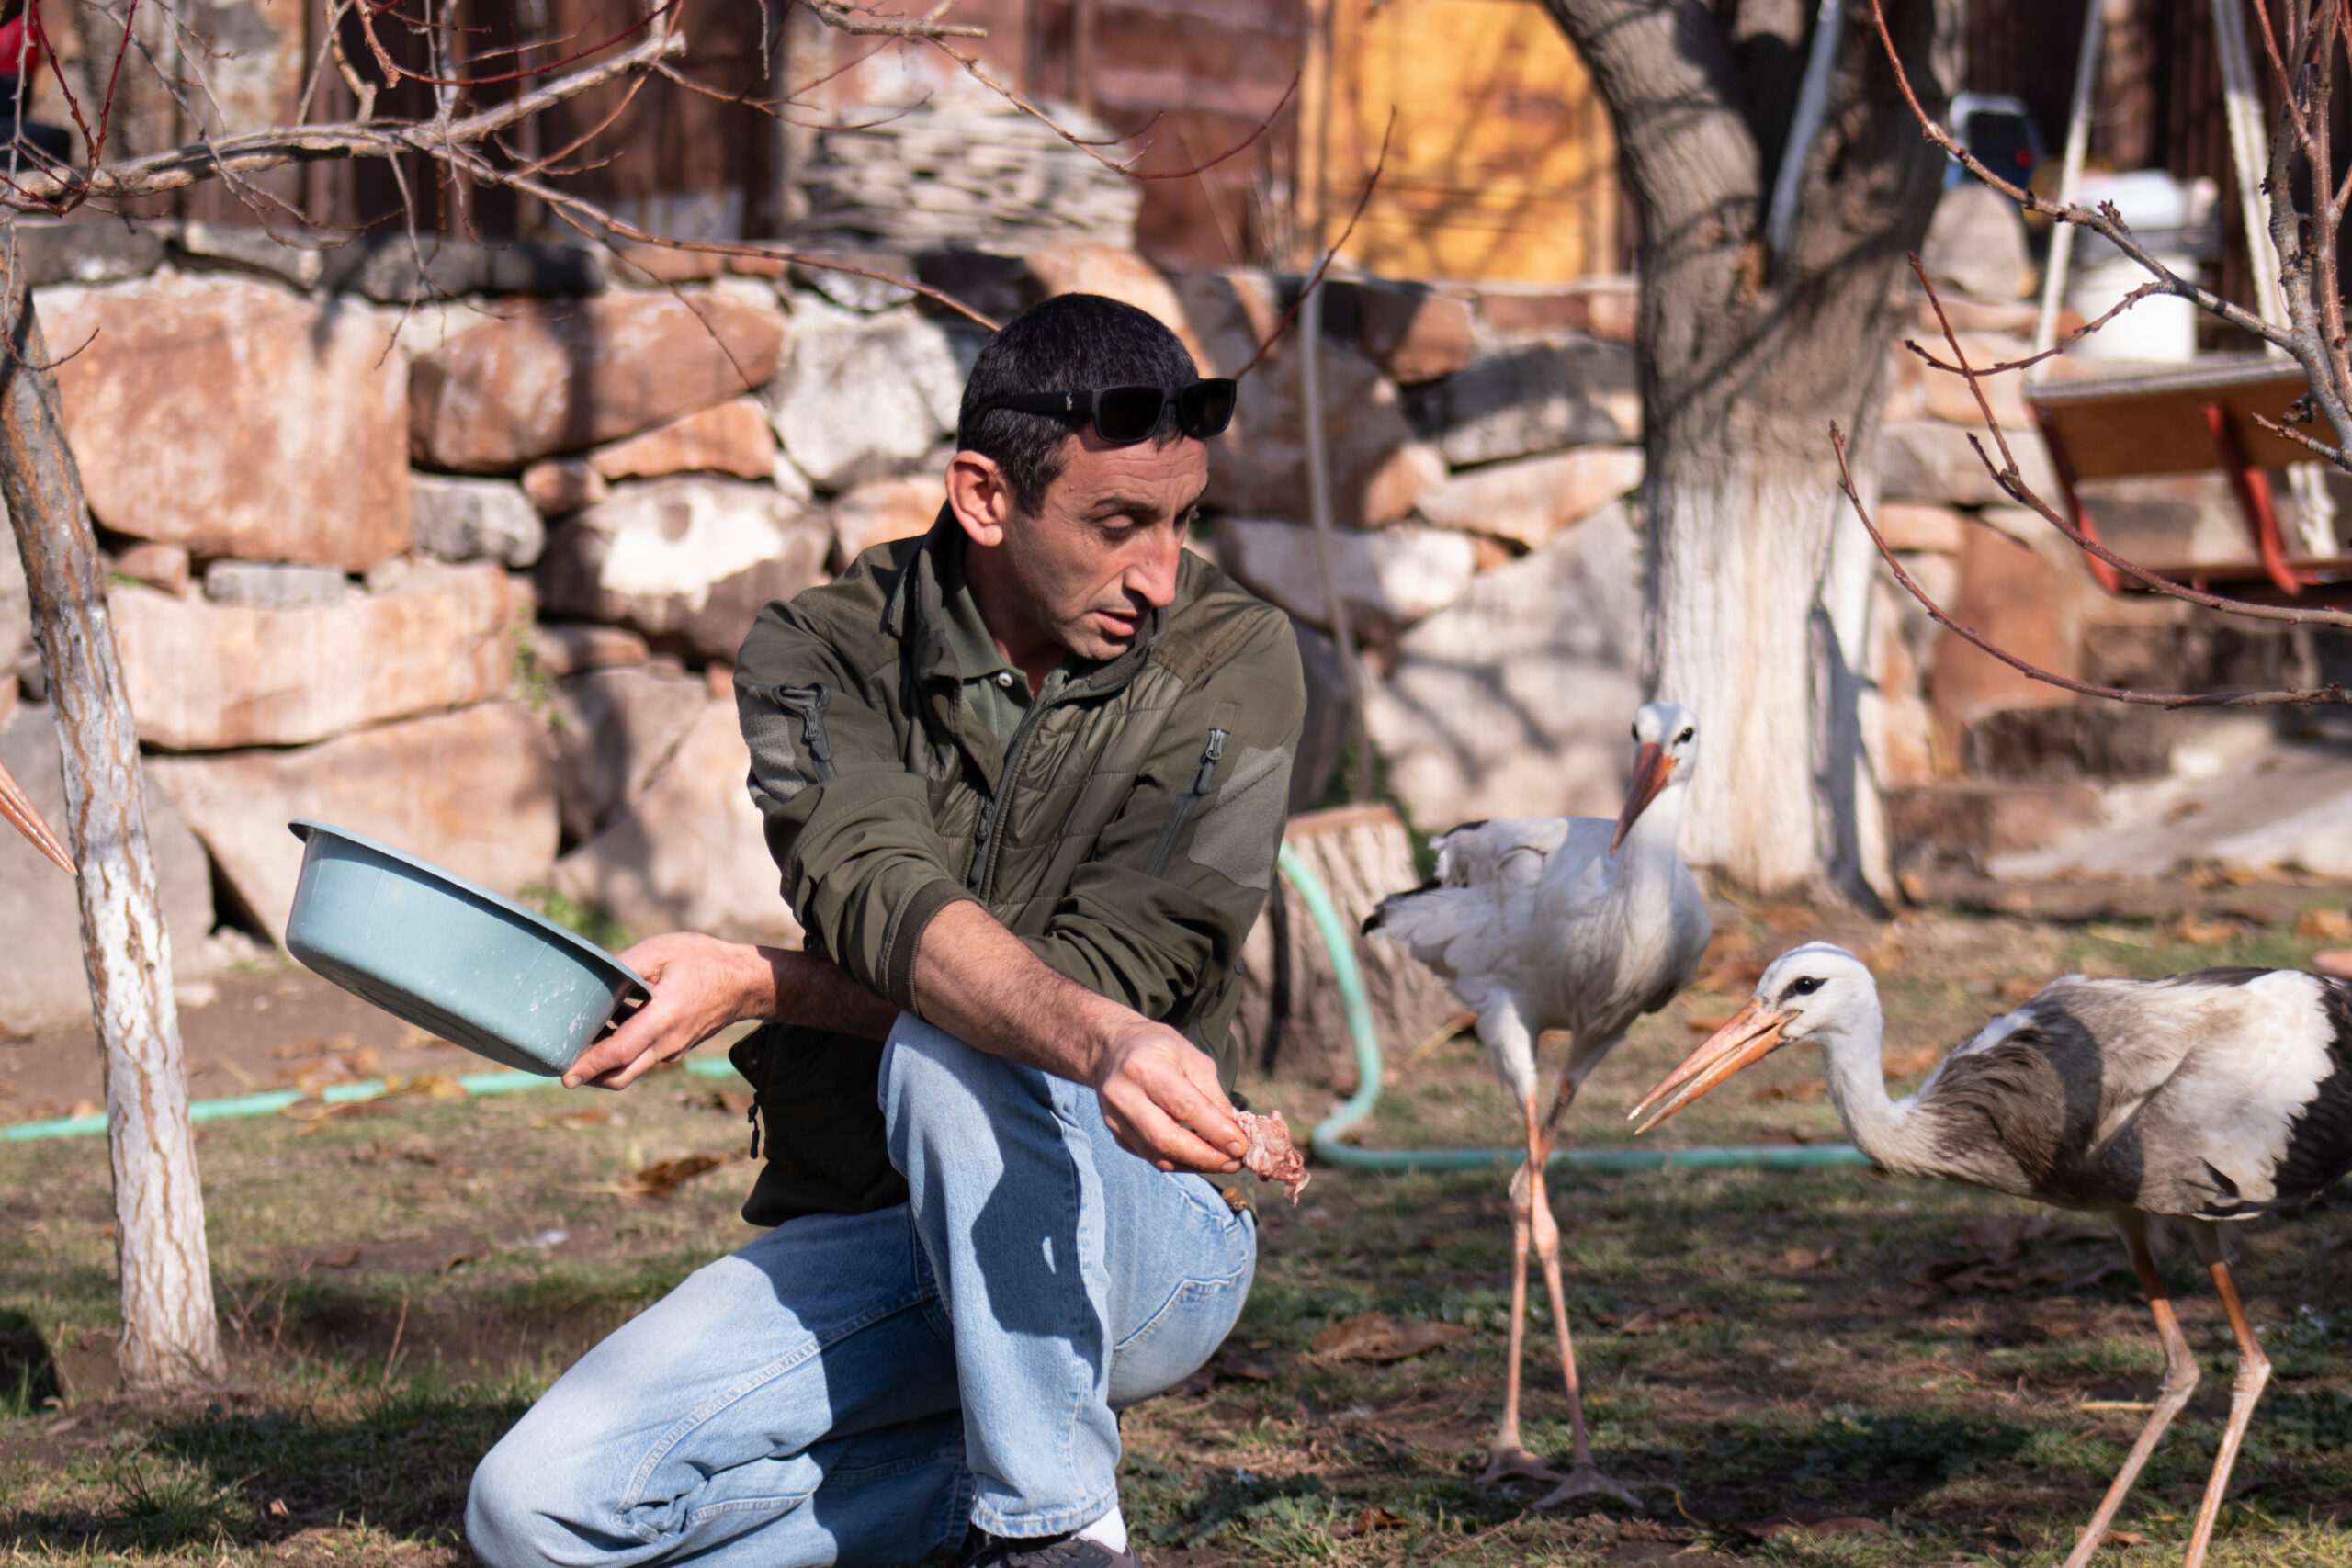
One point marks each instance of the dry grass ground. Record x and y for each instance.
(1824, 1367)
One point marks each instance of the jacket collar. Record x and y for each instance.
(916, 614)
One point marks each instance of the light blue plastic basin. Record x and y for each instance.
(446, 956)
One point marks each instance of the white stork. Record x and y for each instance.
(1561, 922)
(2217, 1095)
(18, 810)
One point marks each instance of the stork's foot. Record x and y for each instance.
(1583, 1481)
(1509, 1462)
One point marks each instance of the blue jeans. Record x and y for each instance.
(857, 1388)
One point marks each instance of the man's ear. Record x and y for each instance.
(978, 495)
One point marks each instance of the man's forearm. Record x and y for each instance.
(980, 982)
(809, 990)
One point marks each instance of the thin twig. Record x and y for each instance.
(1315, 279)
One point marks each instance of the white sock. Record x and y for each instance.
(1111, 1530)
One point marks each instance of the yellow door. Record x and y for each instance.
(1501, 166)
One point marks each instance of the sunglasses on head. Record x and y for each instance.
(1124, 415)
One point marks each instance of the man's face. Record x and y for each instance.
(1099, 555)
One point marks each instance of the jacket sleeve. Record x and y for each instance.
(1203, 823)
(865, 868)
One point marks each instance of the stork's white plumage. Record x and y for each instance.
(2212, 1096)
(1572, 923)
(17, 809)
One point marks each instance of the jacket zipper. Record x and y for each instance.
(1187, 803)
(983, 871)
(809, 702)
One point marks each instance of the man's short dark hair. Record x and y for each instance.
(1072, 343)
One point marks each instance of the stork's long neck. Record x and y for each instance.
(1649, 854)
(1851, 1057)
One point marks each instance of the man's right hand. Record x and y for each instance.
(1161, 1099)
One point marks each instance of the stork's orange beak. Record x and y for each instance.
(1750, 1036)
(19, 810)
(1652, 768)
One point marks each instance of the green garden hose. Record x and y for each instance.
(1327, 1147)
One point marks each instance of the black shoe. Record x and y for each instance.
(984, 1550)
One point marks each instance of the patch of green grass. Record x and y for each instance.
(588, 920)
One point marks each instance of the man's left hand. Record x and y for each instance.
(700, 986)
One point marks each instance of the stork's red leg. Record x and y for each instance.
(2253, 1372)
(1508, 1456)
(1583, 1475)
(2180, 1381)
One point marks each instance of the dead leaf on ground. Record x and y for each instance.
(2211, 874)
(341, 1257)
(460, 1260)
(2193, 928)
(2018, 989)
(1376, 1336)
(1372, 1516)
(425, 1086)
(2127, 1537)
(575, 1121)
(85, 1108)
(364, 1063)
(2008, 1252)
(1654, 1320)
(2324, 925)
(659, 1181)
(1798, 1259)
(1226, 1364)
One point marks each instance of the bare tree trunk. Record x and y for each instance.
(169, 1336)
(1760, 614)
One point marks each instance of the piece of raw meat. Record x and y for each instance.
(1273, 1156)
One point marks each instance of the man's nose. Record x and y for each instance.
(1153, 572)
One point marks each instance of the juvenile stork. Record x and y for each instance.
(2217, 1095)
(1561, 922)
(19, 811)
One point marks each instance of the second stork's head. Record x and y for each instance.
(1666, 740)
(1814, 992)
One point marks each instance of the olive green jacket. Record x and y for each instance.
(1126, 834)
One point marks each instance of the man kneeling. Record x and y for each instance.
(1024, 777)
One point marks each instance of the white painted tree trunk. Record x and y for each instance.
(169, 1336)
(1759, 623)
(1760, 578)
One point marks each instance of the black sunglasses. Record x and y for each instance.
(1124, 415)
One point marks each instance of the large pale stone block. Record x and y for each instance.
(1532, 499)
(887, 508)
(732, 437)
(690, 559)
(204, 676)
(863, 397)
(235, 418)
(1378, 469)
(614, 727)
(1388, 580)
(41, 978)
(562, 375)
(1926, 459)
(1513, 701)
(466, 519)
(1532, 397)
(472, 791)
(689, 855)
